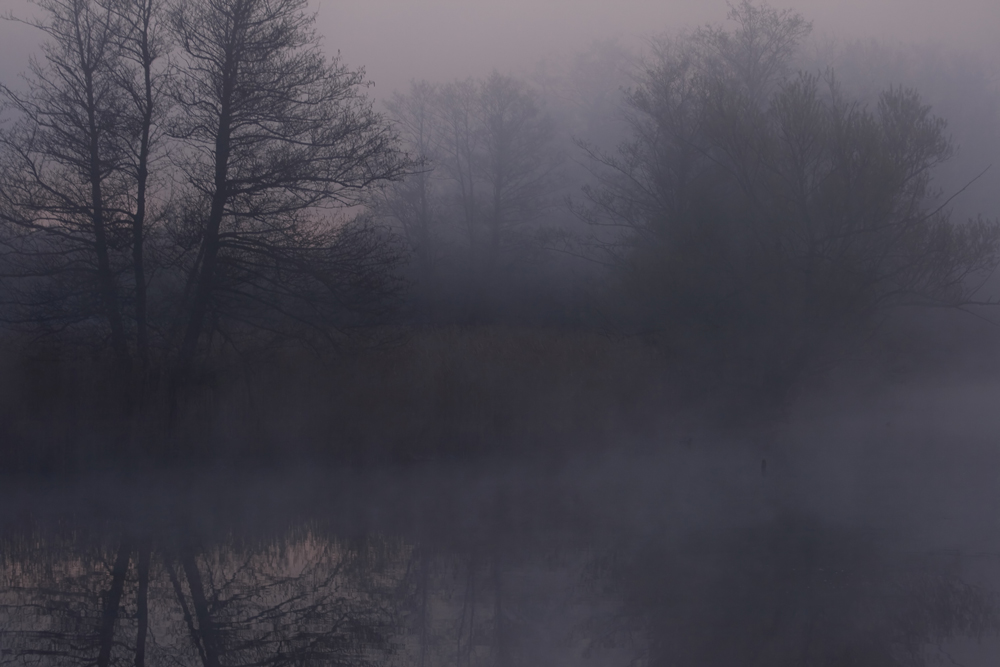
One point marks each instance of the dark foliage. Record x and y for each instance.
(767, 219)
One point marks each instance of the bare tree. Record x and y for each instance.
(757, 53)
(411, 203)
(518, 163)
(488, 156)
(272, 134)
(76, 173)
(60, 190)
(765, 218)
(460, 147)
(143, 44)
(252, 225)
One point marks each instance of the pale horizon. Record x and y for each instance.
(396, 41)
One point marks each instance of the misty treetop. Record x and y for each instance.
(764, 216)
(754, 220)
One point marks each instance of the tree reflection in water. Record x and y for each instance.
(301, 601)
(494, 576)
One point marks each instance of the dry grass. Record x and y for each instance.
(442, 393)
(457, 392)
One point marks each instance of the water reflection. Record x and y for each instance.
(295, 602)
(490, 569)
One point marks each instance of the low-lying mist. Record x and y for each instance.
(859, 534)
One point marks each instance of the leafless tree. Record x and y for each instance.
(76, 172)
(518, 163)
(159, 207)
(412, 202)
(143, 45)
(489, 156)
(460, 142)
(60, 188)
(272, 134)
(765, 217)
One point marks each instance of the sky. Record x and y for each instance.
(400, 40)
(397, 40)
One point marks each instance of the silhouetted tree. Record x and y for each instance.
(488, 156)
(272, 135)
(764, 216)
(412, 203)
(517, 165)
(142, 42)
(460, 141)
(272, 151)
(64, 180)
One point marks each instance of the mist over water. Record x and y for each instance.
(566, 333)
(856, 536)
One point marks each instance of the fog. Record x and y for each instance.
(568, 332)
(398, 41)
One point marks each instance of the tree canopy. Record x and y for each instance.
(765, 215)
(169, 207)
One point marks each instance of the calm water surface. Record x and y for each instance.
(688, 559)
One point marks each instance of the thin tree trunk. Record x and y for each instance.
(142, 604)
(201, 611)
(499, 625)
(204, 277)
(424, 580)
(138, 223)
(497, 223)
(185, 612)
(105, 276)
(112, 601)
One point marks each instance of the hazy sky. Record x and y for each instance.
(398, 40)
(401, 39)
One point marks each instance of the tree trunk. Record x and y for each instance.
(142, 604)
(206, 627)
(106, 281)
(138, 223)
(112, 600)
(204, 273)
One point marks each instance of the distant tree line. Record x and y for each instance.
(476, 212)
(186, 179)
(755, 222)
